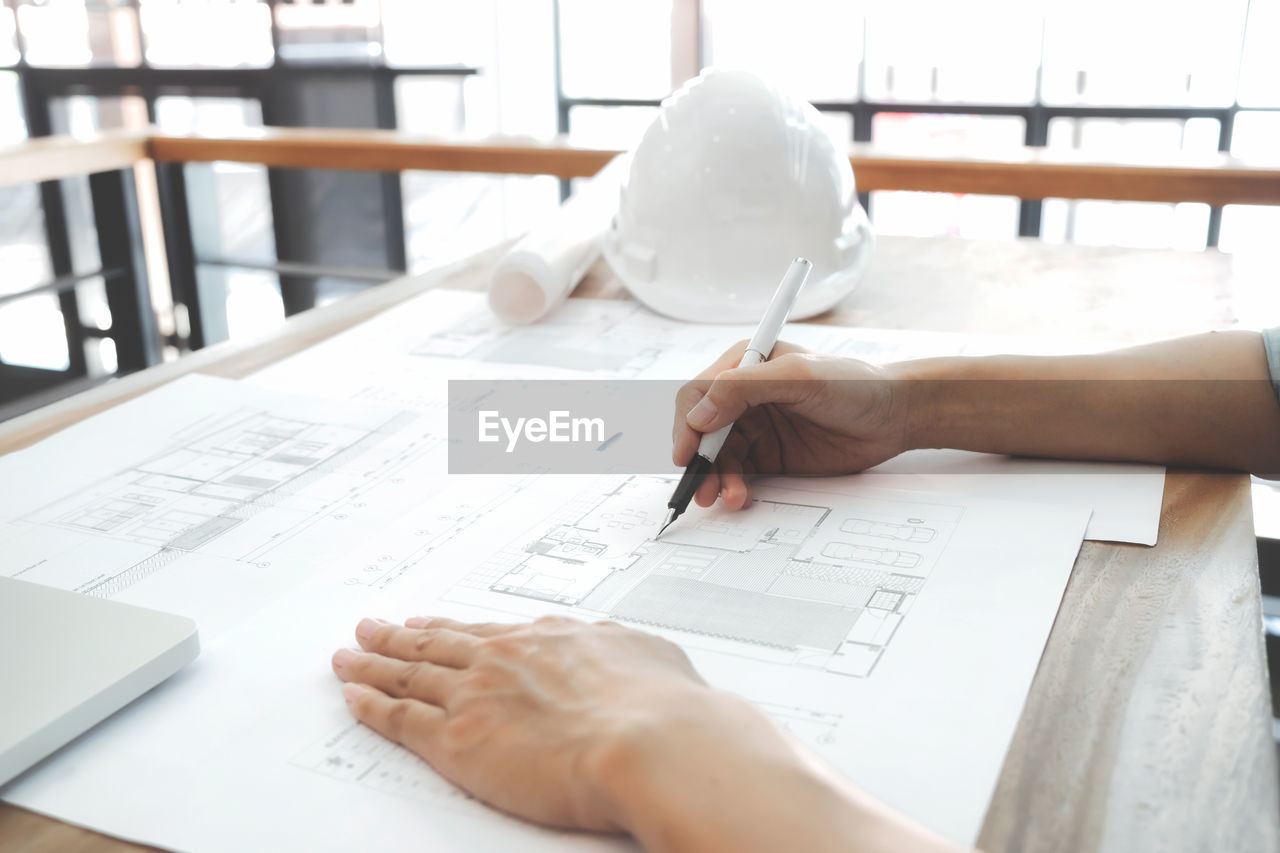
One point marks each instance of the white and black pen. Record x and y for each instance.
(758, 350)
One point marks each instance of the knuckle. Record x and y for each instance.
(476, 682)
(501, 646)
(406, 676)
(428, 639)
(690, 392)
(554, 621)
(364, 705)
(800, 365)
(460, 732)
(358, 666)
(397, 720)
(382, 636)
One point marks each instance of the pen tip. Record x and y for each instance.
(671, 516)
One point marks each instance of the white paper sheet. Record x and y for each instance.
(276, 521)
(403, 356)
(912, 685)
(1125, 498)
(209, 497)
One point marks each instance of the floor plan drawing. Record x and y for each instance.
(802, 577)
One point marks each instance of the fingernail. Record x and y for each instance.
(701, 414)
(366, 628)
(342, 657)
(352, 692)
(417, 621)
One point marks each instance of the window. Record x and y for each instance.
(1247, 227)
(1142, 52)
(254, 306)
(1260, 62)
(946, 214)
(232, 201)
(76, 33)
(445, 32)
(808, 47)
(208, 34)
(333, 31)
(1127, 223)
(610, 127)
(32, 333)
(980, 53)
(8, 37)
(24, 255)
(615, 48)
(13, 125)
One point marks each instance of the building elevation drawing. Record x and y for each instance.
(237, 487)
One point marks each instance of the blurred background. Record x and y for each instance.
(1115, 79)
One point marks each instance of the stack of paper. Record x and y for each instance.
(278, 520)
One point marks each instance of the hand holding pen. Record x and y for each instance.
(799, 414)
(758, 350)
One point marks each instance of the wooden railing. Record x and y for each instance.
(156, 204)
(52, 157)
(1025, 173)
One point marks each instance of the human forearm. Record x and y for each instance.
(721, 776)
(1204, 401)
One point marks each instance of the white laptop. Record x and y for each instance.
(68, 661)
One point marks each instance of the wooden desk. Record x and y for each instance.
(1148, 723)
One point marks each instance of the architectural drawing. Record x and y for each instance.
(433, 529)
(901, 532)
(356, 754)
(593, 336)
(237, 486)
(870, 554)
(802, 577)
(821, 728)
(480, 338)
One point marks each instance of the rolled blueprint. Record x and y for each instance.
(548, 262)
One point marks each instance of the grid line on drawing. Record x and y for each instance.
(491, 570)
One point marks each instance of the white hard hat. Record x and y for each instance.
(731, 181)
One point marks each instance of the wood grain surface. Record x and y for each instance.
(1148, 724)
(52, 157)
